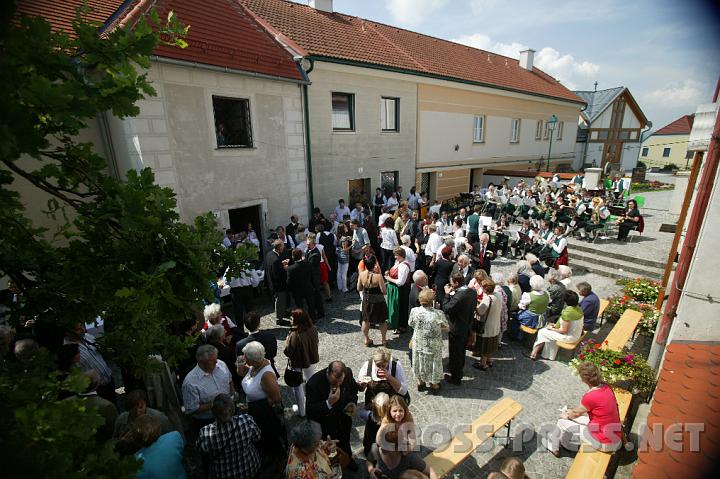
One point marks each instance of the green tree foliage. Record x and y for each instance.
(118, 249)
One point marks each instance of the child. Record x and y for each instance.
(343, 259)
(380, 406)
(398, 414)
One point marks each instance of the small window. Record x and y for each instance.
(538, 130)
(645, 151)
(515, 130)
(624, 135)
(546, 132)
(603, 135)
(688, 155)
(390, 114)
(232, 122)
(559, 128)
(479, 129)
(666, 152)
(343, 112)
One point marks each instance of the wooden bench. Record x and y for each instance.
(528, 329)
(573, 345)
(604, 303)
(446, 458)
(590, 463)
(623, 330)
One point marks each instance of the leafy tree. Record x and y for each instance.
(118, 248)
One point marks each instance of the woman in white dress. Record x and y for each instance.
(568, 329)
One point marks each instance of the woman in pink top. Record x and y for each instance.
(596, 421)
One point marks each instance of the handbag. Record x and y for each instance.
(292, 378)
(373, 298)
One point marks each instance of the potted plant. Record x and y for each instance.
(619, 368)
(643, 290)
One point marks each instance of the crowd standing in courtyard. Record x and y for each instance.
(419, 272)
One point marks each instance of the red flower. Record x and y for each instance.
(606, 342)
(603, 362)
(617, 361)
(597, 346)
(581, 356)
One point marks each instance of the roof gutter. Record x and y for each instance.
(403, 71)
(214, 68)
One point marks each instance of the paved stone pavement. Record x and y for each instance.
(541, 387)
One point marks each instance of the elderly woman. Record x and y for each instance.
(568, 329)
(489, 314)
(596, 421)
(309, 455)
(398, 292)
(533, 305)
(214, 315)
(524, 273)
(590, 305)
(229, 442)
(505, 294)
(263, 398)
(162, 454)
(381, 373)
(428, 324)
(513, 290)
(556, 290)
(535, 264)
(135, 407)
(565, 273)
(302, 351)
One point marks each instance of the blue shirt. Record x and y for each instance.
(590, 305)
(163, 458)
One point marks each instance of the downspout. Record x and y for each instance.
(308, 153)
(691, 237)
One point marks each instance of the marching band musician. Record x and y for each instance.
(491, 201)
(558, 248)
(545, 237)
(500, 229)
(523, 239)
(598, 217)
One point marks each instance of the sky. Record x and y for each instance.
(667, 52)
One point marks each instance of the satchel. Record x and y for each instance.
(292, 378)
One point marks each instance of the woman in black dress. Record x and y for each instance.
(630, 221)
(374, 308)
(443, 270)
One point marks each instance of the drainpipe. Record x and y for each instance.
(306, 121)
(691, 238)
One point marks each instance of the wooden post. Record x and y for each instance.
(697, 160)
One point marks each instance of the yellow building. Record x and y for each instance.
(668, 144)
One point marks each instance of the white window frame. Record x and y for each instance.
(539, 130)
(351, 113)
(479, 131)
(515, 130)
(385, 101)
(559, 130)
(546, 131)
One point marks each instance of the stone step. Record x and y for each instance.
(612, 263)
(596, 250)
(592, 267)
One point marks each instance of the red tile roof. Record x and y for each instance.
(61, 14)
(221, 32)
(688, 391)
(681, 126)
(344, 37)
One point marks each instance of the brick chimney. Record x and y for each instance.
(323, 5)
(526, 59)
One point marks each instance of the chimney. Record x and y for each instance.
(323, 5)
(526, 59)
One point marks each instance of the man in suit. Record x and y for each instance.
(267, 339)
(276, 277)
(313, 256)
(299, 282)
(291, 228)
(459, 305)
(464, 268)
(331, 400)
(420, 282)
(482, 254)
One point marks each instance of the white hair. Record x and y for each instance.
(254, 351)
(417, 275)
(405, 239)
(537, 283)
(464, 257)
(531, 258)
(211, 311)
(485, 235)
(564, 271)
(499, 278)
(552, 276)
(205, 351)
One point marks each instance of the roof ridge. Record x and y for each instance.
(397, 47)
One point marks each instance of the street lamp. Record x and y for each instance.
(551, 125)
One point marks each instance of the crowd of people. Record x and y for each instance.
(419, 271)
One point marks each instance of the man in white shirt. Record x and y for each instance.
(357, 214)
(341, 210)
(409, 253)
(383, 216)
(204, 382)
(434, 244)
(435, 208)
(227, 241)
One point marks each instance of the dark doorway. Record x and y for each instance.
(357, 192)
(388, 182)
(241, 218)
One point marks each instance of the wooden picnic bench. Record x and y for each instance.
(604, 303)
(446, 458)
(590, 463)
(623, 330)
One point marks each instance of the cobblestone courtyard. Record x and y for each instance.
(541, 387)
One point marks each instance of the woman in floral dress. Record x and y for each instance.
(427, 323)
